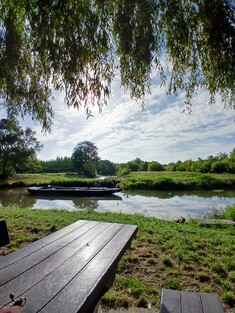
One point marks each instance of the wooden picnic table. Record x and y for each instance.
(66, 271)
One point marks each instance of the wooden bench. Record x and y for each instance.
(4, 236)
(175, 301)
(67, 271)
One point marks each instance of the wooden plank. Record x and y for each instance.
(91, 282)
(27, 250)
(4, 236)
(27, 279)
(211, 303)
(173, 301)
(73, 267)
(191, 302)
(23, 264)
(170, 301)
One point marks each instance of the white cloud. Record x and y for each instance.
(123, 131)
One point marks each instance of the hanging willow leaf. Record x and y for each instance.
(80, 46)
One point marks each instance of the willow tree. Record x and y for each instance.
(81, 46)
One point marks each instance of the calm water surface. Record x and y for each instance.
(162, 205)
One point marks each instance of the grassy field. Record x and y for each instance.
(177, 181)
(179, 176)
(164, 254)
(135, 180)
(42, 178)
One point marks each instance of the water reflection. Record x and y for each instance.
(16, 197)
(164, 205)
(70, 203)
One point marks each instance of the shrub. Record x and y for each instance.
(206, 182)
(167, 261)
(229, 298)
(172, 283)
(230, 213)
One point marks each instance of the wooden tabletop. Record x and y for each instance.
(67, 271)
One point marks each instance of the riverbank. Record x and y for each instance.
(133, 181)
(164, 254)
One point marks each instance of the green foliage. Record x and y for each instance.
(33, 165)
(17, 147)
(59, 165)
(137, 288)
(220, 166)
(202, 276)
(80, 46)
(227, 213)
(137, 165)
(167, 261)
(85, 158)
(222, 163)
(229, 298)
(172, 283)
(176, 181)
(89, 169)
(207, 182)
(107, 168)
(123, 170)
(155, 166)
(230, 213)
(231, 277)
(110, 299)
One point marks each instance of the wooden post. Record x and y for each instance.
(4, 236)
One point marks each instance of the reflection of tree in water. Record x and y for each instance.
(21, 198)
(16, 197)
(92, 202)
(83, 203)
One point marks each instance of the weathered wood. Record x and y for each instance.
(4, 236)
(170, 301)
(175, 301)
(67, 271)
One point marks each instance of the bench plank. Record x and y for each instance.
(37, 245)
(28, 278)
(175, 301)
(99, 271)
(170, 301)
(211, 303)
(74, 270)
(191, 302)
(55, 249)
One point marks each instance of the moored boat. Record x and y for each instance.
(73, 191)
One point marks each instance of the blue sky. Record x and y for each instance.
(123, 132)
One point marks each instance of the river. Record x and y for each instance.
(163, 205)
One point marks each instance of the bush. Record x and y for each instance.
(206, 182)
(230, 213)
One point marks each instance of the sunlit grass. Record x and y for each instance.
(163, 254)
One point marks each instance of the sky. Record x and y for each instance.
(123, 131)
(163, 132)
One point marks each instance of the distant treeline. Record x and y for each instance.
(66, 165)
(222, 163)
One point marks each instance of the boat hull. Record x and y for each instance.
(73, 191)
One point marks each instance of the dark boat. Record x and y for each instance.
(73, 191)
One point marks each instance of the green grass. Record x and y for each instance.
(177, 181)
(163, 254)
(136, 180)
(21, 180)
